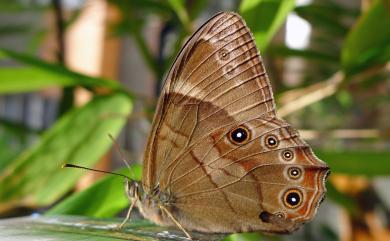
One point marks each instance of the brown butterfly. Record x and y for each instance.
(218, 158)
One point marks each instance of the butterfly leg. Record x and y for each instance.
(128, 214)
(175, 221)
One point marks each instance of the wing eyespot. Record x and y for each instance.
(287, 155)
(292, 198)
(294, 173)
(271, 141)
(240, 135)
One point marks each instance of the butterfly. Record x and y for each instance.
(218, 158)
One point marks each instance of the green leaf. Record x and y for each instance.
(179, 7)
(105, 198)
(19, 6)
(64, 228)
(244, 237)
(80, 137)
(22, 79)
(327, 16)
(304, 53)
(360, 162)
(264, 18)
(41, 74)
(368, 43)
(14, 137)
(13, 29)
(196, 7)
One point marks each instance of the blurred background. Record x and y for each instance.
(73, 71)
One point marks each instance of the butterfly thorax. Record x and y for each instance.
(151, 204)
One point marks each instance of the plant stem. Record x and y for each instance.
(67, 100)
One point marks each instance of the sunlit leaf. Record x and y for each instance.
(264, 18)
(80, 137)
(368, 43)
(41, 74)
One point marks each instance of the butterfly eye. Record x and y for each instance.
(132, 189)
(292, 198)
(294, 172)
(271, 141)
(287, 155)
(239, 135)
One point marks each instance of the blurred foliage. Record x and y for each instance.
(352, 41)
(111, 198)
(367, 44)
(40, 74)
(273, 15)
(77, 136)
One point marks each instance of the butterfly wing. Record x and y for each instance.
(217, 65)
(218, 84)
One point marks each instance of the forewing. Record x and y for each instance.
(217, 79)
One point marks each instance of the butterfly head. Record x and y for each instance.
(133, 189)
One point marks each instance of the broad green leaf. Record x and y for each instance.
(41, 74)
(360, 162)
(368, 43)
(105, 198)
(64, 228)
(264, 18)
(80, 137)
(22, 79)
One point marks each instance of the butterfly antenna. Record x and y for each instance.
(117, 147)
(94, 170)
